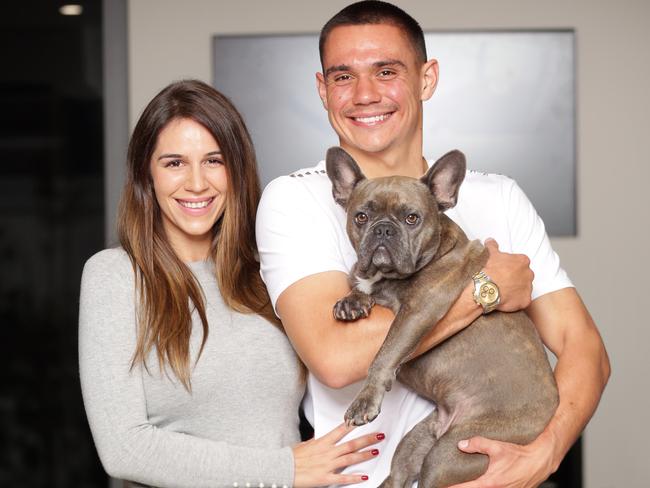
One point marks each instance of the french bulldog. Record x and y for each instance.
(491, 379)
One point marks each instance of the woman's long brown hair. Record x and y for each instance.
(165, 286)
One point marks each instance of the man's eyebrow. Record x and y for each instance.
(376, 64)
(389, 62)
(334, 69)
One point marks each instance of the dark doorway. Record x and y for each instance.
(51, 221)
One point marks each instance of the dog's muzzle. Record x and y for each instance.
(379, 246)
(381, 257)
(384, 230)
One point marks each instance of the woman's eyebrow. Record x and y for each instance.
(165, 156)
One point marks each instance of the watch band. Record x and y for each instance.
(486, 292)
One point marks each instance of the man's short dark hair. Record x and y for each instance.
(376, 12)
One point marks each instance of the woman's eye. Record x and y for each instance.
(361, 218)
(214, 161)
(412, 219)
(174, 163)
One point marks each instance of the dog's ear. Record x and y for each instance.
(344, 173)
(444, 178)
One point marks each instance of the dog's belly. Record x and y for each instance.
(496, 369)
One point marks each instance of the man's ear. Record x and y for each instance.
(430, 79)
(322, 88)
(444, 179)
(344, 173)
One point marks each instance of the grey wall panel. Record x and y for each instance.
(507, 99)
(116, 109)
(271, 80)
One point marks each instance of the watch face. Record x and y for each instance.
(488, 293)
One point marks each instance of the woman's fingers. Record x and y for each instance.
(355, 458)
(361, 442)
(347, 479)
(318, 462)
(337, 433)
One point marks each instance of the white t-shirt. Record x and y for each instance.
(301, 232)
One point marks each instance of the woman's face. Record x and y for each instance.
(190, 183)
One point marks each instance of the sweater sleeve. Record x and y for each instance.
(129, 445)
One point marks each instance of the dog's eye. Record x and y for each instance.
(412, 219)
(361, 218)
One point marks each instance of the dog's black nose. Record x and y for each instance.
(385, 230)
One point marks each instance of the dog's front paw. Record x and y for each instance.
(365, 407)
(353, 307)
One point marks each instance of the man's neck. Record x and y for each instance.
(389, 163)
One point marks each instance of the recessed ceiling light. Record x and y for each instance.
(71, 9)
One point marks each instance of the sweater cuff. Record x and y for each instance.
(277, 467)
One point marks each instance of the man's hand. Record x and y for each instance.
(581, 372)
(513, 276)
(511, 465)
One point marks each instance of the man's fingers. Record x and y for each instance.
(478, 444)
(469, 484)
(491, 244)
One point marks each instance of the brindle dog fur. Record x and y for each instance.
(491, 379)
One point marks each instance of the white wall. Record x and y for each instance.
(170, 40)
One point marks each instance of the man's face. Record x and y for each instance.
(373, 86)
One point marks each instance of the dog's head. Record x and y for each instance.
(394, 222)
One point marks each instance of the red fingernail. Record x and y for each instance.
(375, 452)
(381, 437)
(364, 477)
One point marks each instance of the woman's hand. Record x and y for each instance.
(318, 461)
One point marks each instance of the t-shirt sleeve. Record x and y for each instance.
(130, 446)
(528, 236)
(298, 235)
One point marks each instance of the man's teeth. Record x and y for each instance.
(202, 204)
(373, 119)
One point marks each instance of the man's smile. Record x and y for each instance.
(371, 120)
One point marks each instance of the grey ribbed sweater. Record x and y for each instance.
(147, 428)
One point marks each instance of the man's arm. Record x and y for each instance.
(581, 373)
(339, 353)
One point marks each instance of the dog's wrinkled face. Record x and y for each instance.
(390, 222)
(394, 222)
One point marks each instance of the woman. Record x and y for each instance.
(186, 382)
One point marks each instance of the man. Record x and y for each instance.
(375, 77)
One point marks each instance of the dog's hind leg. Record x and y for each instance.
(410, 453)
(445, 465)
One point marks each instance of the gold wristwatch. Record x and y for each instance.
(486, 292)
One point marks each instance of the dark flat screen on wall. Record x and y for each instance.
(506, 99)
